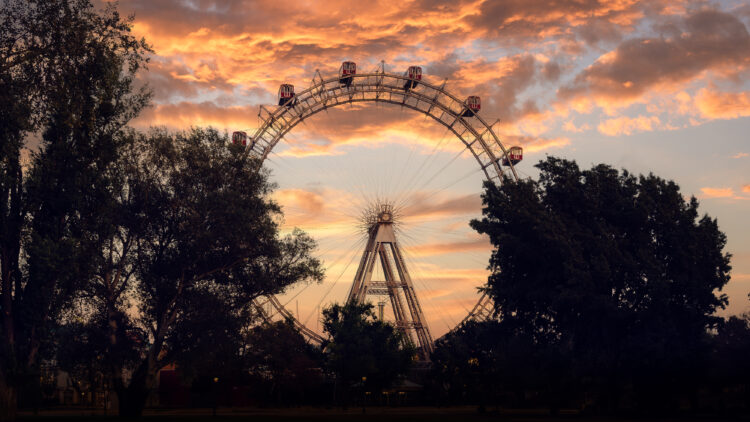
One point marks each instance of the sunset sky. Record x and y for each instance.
(650, 86)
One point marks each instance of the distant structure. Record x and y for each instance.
(383, 248)
(412, 90)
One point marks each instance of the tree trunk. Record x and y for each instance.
(8, 399)
(132, 400)
(10, 246)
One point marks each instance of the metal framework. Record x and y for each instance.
(382, 244)
(380, 86)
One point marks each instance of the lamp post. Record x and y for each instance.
(216, 394)
(364, 399)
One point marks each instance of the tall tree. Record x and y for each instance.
(67, 74)
(619, 270)
(195, 241)
(360, 345)
(730, 369)
(17, 94)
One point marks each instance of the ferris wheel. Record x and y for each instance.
(460, 117)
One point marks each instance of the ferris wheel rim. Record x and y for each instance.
(352, 89)
(483, 307)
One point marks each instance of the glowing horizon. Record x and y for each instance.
(657, 86)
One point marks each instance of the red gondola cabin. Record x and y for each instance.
(239, 138)
(515, 155)
(286, 95)
(473, 105)
(346, 71)
(414, 73)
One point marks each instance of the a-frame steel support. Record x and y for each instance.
(383, 248)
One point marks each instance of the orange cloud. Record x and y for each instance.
(421, 206)
(746, 188)
(625, 125)
(723, 105)
(569, 126)
(317, 210)
(216, 62)
(740, 155)
(717, 192)
(481, 244)
(519, 21)
(186, 114)
(532, 144)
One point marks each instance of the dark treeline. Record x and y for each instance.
(123, 253)
(120, 252)
(606, 288)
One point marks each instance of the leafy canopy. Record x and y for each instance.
(360, 345)
(618, 270)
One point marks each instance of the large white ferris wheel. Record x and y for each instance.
(459, 116)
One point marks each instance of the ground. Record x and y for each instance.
(391, 414)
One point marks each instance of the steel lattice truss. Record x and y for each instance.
(429, 99)
(382, 246)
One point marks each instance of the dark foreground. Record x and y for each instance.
(431, 414)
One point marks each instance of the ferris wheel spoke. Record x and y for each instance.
(354, 254)
(453, 183)
(407, 191)
(448, 320)
(360, 182)
(427, 162)
(348, 250)
(420, 278)
(415, 189)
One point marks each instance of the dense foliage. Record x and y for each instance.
(288, 367)
(147, 247)
(193, 241)
(611, 278)
(362, 350)
(66, 82)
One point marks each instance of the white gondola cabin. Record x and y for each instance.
(239, 138)
(514, 156)
(414, 75)
(473, 105)
(346, 71)
(286, 95)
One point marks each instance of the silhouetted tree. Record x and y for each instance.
(491, 363)
(288, 364)
(194, 241)
(66, 73)
(360, 345)
(619, 271)
(730, 367)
